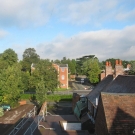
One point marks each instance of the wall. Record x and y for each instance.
(63, 77)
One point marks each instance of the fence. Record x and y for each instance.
(20, 125)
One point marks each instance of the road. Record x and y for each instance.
(76, 87)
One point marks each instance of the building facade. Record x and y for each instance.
(62, 74)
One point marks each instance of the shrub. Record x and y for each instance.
(1, 112)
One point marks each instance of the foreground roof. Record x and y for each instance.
(95, 93)
(115, 114)
(54, 122)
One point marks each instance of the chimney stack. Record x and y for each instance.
(119, 70)
(108, 68)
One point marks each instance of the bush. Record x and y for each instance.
(48, 97)
(1, 112)
(59, 98)
(14, 104)
(26, 96)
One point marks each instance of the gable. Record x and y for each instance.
(119, 110)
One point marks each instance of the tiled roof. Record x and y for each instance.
(121, 84)
(116, 114)
(95, 93)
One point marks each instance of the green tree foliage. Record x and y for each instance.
(41, 91)
(71, 66)
(1, 112)
(43, 79)
(29, 56)
(64, 60)
(82, 65)
(93, 73)
(25, 77)
(8, 58)
(132, 69)
(57, 61)
(10, 86)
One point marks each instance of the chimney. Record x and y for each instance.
(116, 62)
(120, 62)
(119, 70)
(107, 63)
(108, 68)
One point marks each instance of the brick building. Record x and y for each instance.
(62, 74)
(116, 107)
(111, 104)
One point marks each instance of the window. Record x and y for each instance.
(62, 77)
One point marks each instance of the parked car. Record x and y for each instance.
(6, 107)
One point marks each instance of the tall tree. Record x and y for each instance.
(132, 69)
(43, 79)
(93, 73)
(29, 56)
(72, 66)
(9, 56)
(10, 87)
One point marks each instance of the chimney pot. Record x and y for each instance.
(116, 62)
(107, 63)
(120, 62)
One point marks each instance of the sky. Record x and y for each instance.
(69, 28)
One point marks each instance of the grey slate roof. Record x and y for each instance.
(122, 84)
(95, 93)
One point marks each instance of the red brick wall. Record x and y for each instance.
(102, 76)
(63, 77)
(119, 70)
(100, 121)
(108, 70)
(119, 112)
(56, 67)
(63, 81)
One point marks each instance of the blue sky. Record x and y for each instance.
(69, 28)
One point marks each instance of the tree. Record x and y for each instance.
(41, 91)
(64, 60)
(132, 69)
(57, 61)
(9, 57)
(93, 73)
(72, 66)
(49, 74)
(29, 56)
(25, 77)
(43, 79)
(10, 87)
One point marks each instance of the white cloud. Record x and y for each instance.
(103, 43)
(3, 33)
(39, 12)
(25, 12)
(95, 12)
